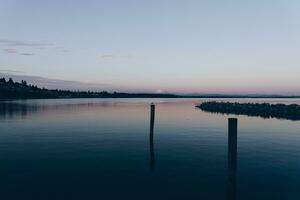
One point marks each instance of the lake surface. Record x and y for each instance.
(102, 149)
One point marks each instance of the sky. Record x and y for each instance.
(175, 46)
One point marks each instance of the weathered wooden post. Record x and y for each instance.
(232, 157)
(152, 116)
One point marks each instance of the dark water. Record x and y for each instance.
(103, 149)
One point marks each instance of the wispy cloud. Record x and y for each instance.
(62, 49)
(15, 51)
(10, 50)
(11, 71)
(27, 54)
(24, 43)
(107, 56)
(15, 46)
(113, 56)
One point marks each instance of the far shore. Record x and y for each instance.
(264, 110)
(10, 89)
(152, 96)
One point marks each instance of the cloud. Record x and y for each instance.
(14, 46)
(24, 43)
(27, 54)
(11, 71)
(10, 50)
(62, 49)
(107, 56)
(113, 56)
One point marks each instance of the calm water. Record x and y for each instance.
(100, 149)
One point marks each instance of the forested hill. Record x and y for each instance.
(21, 90)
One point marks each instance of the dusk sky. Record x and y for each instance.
(155, 46)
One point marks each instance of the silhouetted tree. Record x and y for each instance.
(2, 80)
(10, 81)
(23, 82)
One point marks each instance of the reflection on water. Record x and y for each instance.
(12, 109)
(99, 149)
(232, 152)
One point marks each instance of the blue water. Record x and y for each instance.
(99, 149)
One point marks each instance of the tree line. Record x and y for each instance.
(9, 89)
(264, 110)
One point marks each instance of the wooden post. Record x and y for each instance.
(152, 116)
(232, 157)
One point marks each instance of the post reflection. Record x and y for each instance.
(152, 157)
(232, 158)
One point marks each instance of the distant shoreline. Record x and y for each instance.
(264, 110)
(10, 90)
(151, 97)
(158, 97)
